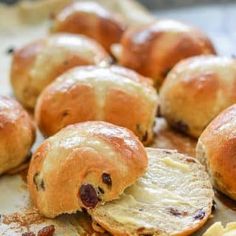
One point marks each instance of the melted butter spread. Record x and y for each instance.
(163, 199)
(148, 194)
(218, 230)
(175, 164)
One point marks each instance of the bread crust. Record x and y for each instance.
(92, 20)
(197, 90)
(37, 64)
(17, 134)
(105, 157)
(216, 149)
(113, 94)
(154, 49)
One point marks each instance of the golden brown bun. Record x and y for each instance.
(84, 165)
(216, 149)
(196, 91)
(37, 64)
(174, 197)
(17, 134)
(113, 94)
(154, 49)
(90, 19)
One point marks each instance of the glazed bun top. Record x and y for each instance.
(91, 19)
(83, 166)
(216, 149)
(37, 64)
(196, 91)
(17, 134)
(154, 49)
(113, 94)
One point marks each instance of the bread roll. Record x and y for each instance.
(17, 134)
(154, 49)
(113, 94)
(91, 19)
(216, 149)
(196, 91)
(83, 166)
(37, 64)
(173, 198)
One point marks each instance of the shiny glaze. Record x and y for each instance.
(91, 19)
(7, 106)
(154, 49)
(217, 150)
(113, 94)
(38, 63)
(17, 134)
(197, 90)
(86, 7)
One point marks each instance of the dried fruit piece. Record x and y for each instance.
(200, 215)
(213, 206)
(181, 126)
(176, 212)
(88, 195)
(28, 234)
(38, 182)
(101, 190)
(145, 137)
(10, 50)
(47, 231)
(106, 178)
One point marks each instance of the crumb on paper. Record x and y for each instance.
(26, 218)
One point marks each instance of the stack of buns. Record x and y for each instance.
(97, 117)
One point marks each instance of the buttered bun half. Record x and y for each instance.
(37, 64)
(196, 90)
(91, 19)
(17, 134)
(113, 94)
(83, 166)
(154, 49)
(216, 149)
(174, 197)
